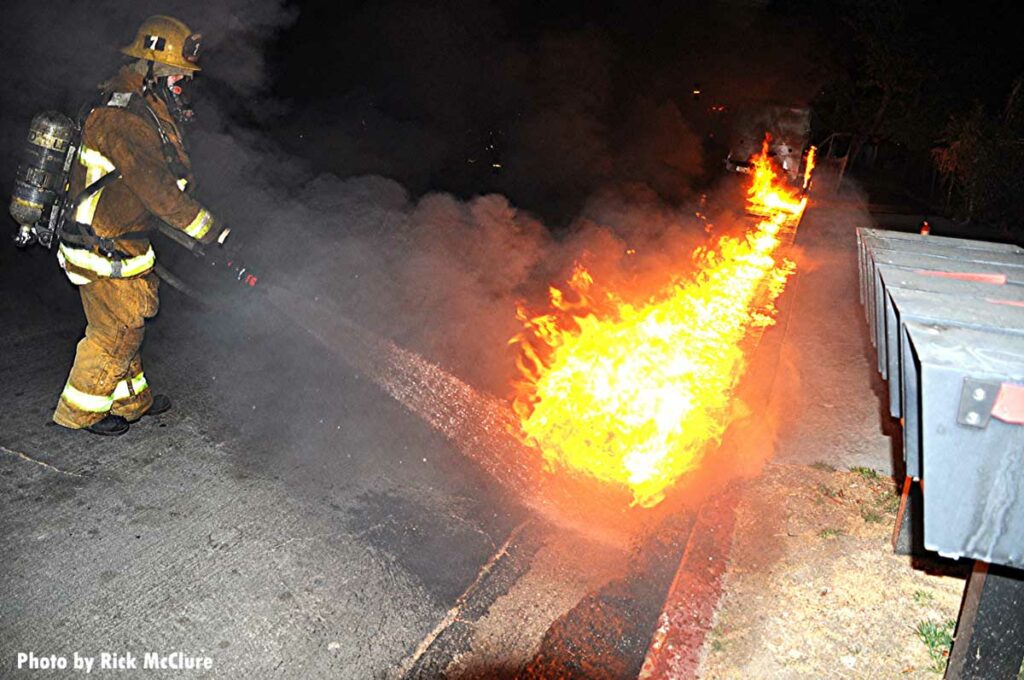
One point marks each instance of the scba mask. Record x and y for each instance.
(176, 92)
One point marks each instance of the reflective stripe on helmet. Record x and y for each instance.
(198, 228)
(126, 389)
(83, 401)
(96, 166)
(105, 267)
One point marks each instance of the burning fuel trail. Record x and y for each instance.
(478, 425)
(631, 393)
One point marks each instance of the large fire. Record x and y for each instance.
(633, 392)
(769, 197)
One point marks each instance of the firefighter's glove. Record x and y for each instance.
(226, 246)
(224, 239)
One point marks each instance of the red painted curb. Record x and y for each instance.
(689, 608)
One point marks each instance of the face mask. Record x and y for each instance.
(176, 92)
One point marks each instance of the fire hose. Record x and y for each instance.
(221, 257)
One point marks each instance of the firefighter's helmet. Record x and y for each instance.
(166, 40)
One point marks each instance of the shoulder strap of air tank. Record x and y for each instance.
(170, 152)
(129, 101)
(136, 103)
(86, 237)
(132, 102)
(101, 99)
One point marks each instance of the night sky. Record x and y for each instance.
(568, 98)
(561, 91)
(560, 97)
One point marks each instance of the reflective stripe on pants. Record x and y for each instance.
(83, 401)
(108, 361)
(130, 388)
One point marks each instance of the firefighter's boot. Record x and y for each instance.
(111, 426)
(161, 404)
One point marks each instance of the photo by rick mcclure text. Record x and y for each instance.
(173, 661)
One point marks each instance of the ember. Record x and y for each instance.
(631, 393)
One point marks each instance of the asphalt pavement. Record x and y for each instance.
(294, 516)
(286, 519)
(289, 518)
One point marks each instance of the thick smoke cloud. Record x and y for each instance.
(54, 54)
(436, 95)
(359, 159)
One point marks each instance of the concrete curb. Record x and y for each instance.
(689, 611)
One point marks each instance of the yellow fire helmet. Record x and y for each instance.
(166, 40)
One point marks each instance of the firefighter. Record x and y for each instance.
(131, 168)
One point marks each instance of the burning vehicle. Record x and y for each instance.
(789, 130)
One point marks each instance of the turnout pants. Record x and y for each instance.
(107, 375)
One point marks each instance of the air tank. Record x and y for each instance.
(42, 174)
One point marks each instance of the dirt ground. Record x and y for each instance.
(813, 589)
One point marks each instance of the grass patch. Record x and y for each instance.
(923, 596)
(865, 472)
(871, 516)
(830, 532)
(716, 640)
(827, 491)
(823, 466)
(889, 502)
(938, 637)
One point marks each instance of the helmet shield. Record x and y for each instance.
(190, 50)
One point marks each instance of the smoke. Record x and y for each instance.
(438, 272)
(542, 105)
(439, 275)
(422, 167)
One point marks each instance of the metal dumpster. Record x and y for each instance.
(969, 264)
(915, 279)
(947, 320)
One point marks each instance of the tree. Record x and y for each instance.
(982, 162)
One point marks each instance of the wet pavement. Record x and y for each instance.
(287, 519)
(298, 516)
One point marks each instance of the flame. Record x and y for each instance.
(768, 196)
(631, 393)
(809, 167)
